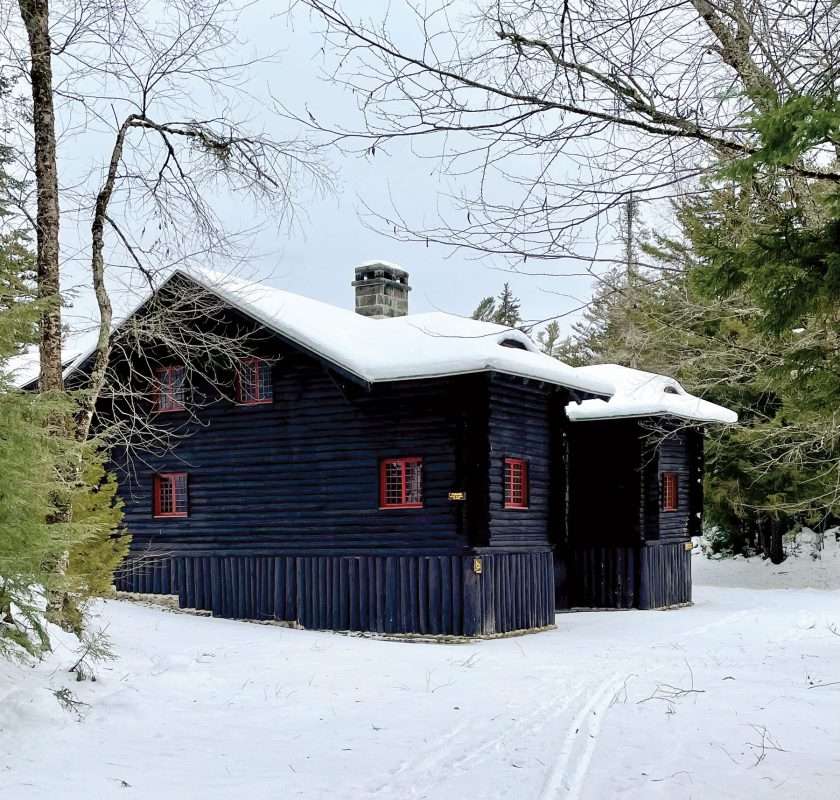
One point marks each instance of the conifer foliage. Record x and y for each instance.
(504, 310)
(36, 452)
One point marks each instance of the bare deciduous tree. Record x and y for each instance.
(565, 109)
(163, 84)
(157, 97)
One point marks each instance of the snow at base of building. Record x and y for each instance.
(644, 394)
(733, 697)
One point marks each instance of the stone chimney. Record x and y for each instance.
(381, 290)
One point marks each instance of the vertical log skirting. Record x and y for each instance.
(665, 569)
(652, 575)
(430, 595)
(604, 577)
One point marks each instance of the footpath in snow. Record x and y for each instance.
(735, 697)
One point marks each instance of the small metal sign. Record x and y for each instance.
(458, 496)
(477, 566)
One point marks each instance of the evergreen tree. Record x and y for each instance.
(504, 310)
(507, 310)
(33, 459)
(549, 339)
(37, 452)
(702, 316)
(485, 310)
(780, 465)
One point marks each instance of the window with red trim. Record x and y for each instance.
(401, 483)
(171, 388)
(170, 494)
(670, 491)
(253, 382)
(516, 483)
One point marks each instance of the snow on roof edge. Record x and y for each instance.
(646, 394)
(508, 361)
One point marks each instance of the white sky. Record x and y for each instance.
(316, 258)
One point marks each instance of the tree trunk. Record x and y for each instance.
(764, 536)
(35, 15)
(777, 550)
(36, 18)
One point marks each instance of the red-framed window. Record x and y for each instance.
(170, 494)
(170, 388)
(253, 382)
(670, 491)
(401, 482)
(516, 483)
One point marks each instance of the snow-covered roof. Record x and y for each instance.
(644, 394)
(398, 348)
(437, 344)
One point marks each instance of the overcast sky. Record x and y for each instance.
(330, 235)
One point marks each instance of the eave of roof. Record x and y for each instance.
(414, 347)
(646, 394)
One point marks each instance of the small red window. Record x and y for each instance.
(670, 491)
(516, 483)
(401, 483)
(171, 388)
(170, 494)
(253, 383)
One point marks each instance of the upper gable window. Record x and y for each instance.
(171, 388)
(516, 483)
(253, 382)
(401, 483)
(670, 491)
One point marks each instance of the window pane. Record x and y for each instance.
(402, 482)
(516, 483)
(170, 494)
(165, 487)
(171, 388)
(254, 382)
(180, 493)
(413, 482)
(670, 491)
(264, 389)
(393, 483)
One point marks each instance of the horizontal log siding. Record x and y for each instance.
(665, 569)
(432, 595)
(675, 456)
(302, 474)
(695, 491)
(519, 427)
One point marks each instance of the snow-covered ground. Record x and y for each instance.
(735, 697)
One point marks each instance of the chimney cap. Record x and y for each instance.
(371, 270)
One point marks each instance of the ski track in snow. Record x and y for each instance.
(580, 741)
(549, 717)
(441, 758)
(576, 717)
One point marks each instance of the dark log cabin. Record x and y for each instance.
(421, 474)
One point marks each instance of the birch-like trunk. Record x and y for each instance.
(35, 15)
(36, 19)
